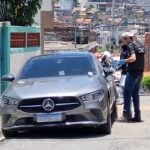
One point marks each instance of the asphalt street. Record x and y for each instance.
(125, 136)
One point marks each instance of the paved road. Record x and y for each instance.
(125, 136)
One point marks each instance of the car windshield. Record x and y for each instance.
(57, 66)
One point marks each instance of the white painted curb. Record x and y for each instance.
(2, 139)
(1, 136)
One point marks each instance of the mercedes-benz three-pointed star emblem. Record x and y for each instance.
(48, 104)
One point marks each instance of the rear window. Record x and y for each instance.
(57, 66)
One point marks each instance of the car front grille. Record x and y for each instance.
(60, 104)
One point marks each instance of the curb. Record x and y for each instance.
(1, 135)
(2, 139)
(0, 124)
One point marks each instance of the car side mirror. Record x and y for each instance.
(8, 78)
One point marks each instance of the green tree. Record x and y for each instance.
(90, 7)
(19, 12)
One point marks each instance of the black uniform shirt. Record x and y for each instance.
(136, 67)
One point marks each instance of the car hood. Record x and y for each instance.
(58, 86)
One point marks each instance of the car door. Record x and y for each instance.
(110, 83)
(111, 87)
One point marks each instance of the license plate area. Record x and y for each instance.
(47, 117)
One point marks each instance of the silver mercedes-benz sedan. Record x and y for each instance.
(62, 89)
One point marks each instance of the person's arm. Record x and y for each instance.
(131, 59)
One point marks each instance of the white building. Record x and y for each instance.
(66, 5)
(104, 37)
(103, 5)
(144, 3)
(83, 3)
(46, 6)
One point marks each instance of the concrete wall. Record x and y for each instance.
(17, 45)
(18, 56)
(17, 60)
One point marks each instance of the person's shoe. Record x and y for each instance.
(125, 120)
(127, 117)
(137, 119)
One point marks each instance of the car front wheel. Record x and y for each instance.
(106, 128)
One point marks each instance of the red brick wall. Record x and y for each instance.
(147, 53)
(147, 60)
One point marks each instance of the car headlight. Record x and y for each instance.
(98, 95)
(9, 101)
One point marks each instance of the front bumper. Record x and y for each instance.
(88, 114)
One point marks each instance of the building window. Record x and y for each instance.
(17, 40)
(33, 39)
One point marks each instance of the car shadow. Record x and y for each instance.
(60, 133)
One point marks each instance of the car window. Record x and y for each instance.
(55, 66)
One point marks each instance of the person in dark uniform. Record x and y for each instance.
(124, 55)
(123, 68)
(134, 76)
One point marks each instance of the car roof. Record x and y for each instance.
(63, 54)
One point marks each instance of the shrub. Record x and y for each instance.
(146, 82)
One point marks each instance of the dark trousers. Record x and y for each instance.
(131, 90)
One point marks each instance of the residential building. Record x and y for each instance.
(66, 5)
(101, 5)
(46, 6)
(83, 3)
(104, 37)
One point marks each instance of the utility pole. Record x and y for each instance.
(75, 17)
(112, 33)
(75, 35)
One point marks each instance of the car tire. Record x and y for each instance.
(106, 128)
(114, 112)
(9, 134)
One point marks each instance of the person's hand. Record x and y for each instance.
(121, 62)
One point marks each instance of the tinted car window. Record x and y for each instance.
(55, 66)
